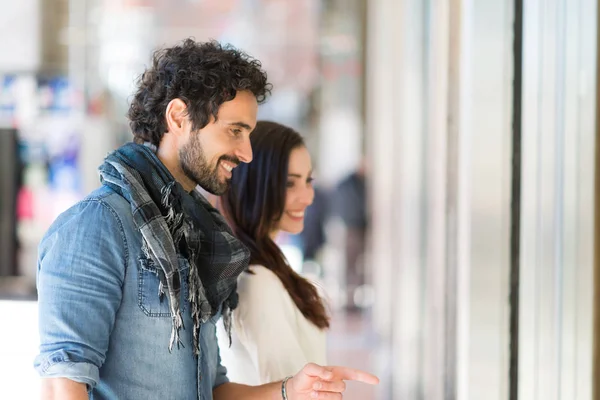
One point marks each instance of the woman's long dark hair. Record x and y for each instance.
(256, 200)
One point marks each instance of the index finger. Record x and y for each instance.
(351, 374)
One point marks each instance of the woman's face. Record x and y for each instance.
(299, 192)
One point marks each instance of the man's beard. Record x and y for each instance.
(197, 168)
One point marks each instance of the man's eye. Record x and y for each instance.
(290, 184)
(236, 132)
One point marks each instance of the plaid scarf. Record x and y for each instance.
(174, 222)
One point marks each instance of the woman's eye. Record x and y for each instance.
(290, 184)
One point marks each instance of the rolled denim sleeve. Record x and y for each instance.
(81, 269)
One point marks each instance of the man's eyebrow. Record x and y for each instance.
(241, 125)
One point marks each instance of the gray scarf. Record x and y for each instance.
(174, 222)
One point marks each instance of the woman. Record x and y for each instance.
(280, 322)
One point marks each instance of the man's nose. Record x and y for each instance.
(244, 151)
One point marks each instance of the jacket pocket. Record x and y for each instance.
(150, 301)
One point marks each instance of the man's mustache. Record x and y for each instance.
(231, 159)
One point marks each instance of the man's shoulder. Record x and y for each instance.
(100, 206)
(109, 198)
(103, 198)
(102, 221)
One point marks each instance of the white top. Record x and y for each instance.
(271, 339)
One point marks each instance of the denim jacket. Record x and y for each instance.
(101, 319)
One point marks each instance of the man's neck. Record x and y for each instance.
(174, 167)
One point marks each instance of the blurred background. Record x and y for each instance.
(454, 144)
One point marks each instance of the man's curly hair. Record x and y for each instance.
(203, 75)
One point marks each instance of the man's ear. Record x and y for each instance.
(176, 117)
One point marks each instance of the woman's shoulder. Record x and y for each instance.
(258, 274)
(259, 281)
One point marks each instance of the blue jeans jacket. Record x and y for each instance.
(100, 317)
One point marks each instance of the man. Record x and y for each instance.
(132, 280)
(351, 207)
